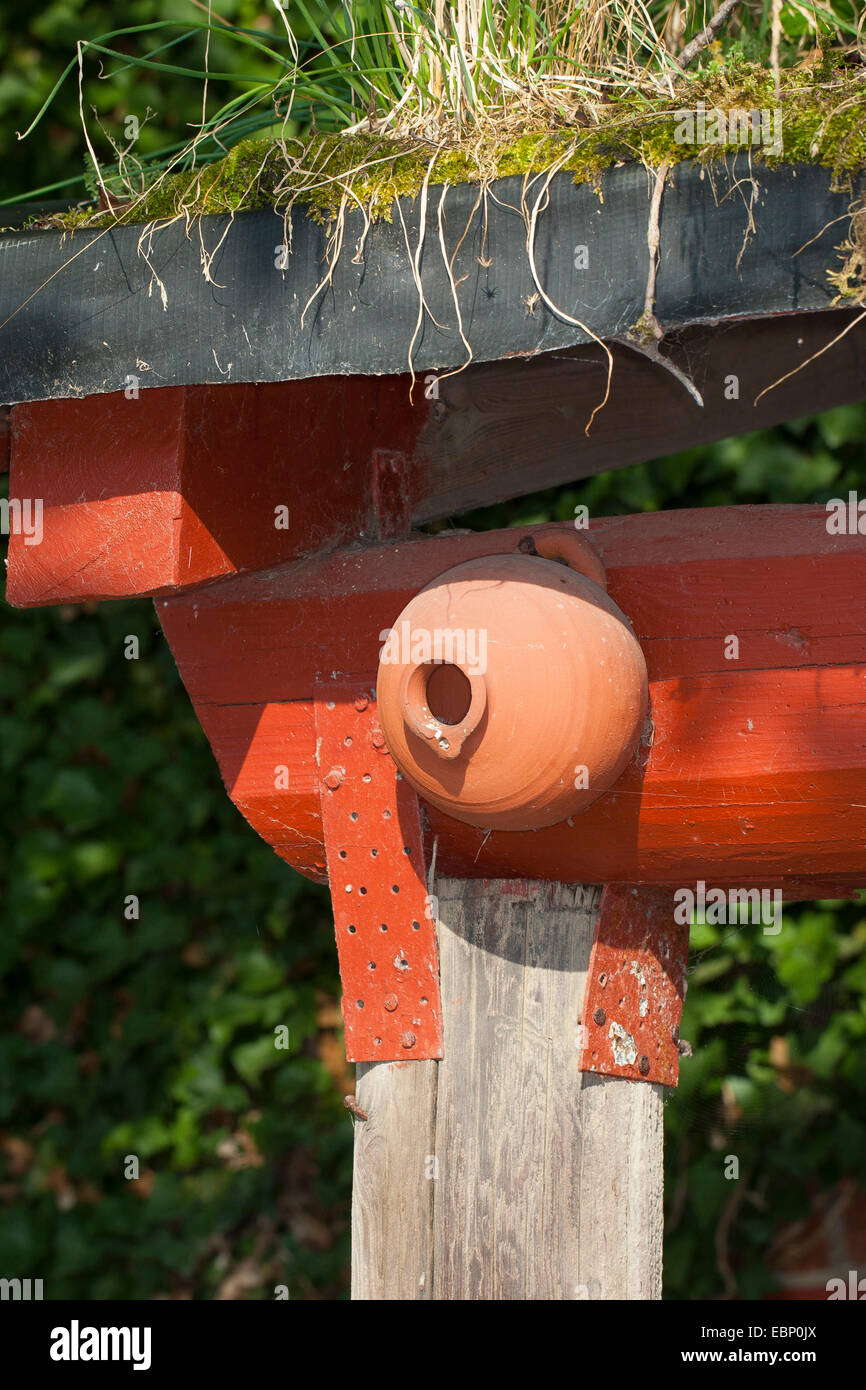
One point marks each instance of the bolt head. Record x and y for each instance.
(378, 739)
(333, 779)
(361, 703)
(408, 1039)
(390, 1002)
(599, 1017)
(643, 1066)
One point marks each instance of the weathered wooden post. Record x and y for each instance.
(504, 1171)
(512, 976)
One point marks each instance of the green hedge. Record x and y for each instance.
(153, 1037)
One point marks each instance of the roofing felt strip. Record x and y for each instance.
(97, 312)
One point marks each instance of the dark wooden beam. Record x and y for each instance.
(503, 429)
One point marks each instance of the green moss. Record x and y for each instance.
(823, 121)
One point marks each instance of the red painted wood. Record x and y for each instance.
(181, 485)
(757, 770)
(253, 744)
(794, 591)
(109, 473)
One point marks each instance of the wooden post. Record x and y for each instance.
(503, 1172)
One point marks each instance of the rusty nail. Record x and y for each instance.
(390, 1002)
(354, 1108)
(361, 703)
(334, 779)
(643, 1066)
(599, 1016)
(378, 739)
(407, 1039)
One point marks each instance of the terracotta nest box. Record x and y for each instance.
(512, 691)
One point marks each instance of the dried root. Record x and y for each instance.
(647, 333)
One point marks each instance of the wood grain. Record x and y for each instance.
(622, 1184)
(505, 428)
(392, 1196)
(548, 1181)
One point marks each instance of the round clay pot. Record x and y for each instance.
(512, 691)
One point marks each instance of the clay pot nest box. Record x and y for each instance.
(512, 690)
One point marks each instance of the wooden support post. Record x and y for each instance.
(503, 1172)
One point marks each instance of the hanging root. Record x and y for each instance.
(648, 332)
(650, 350)
(449, 271)
(415, 262)
(819, 353)
(531, 222)
(648, 325)
(335, 246)
(850, 281)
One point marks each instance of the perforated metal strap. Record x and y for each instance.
(386, 938)
(635, 987)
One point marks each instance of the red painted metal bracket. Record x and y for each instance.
(635, 987)
(386, 939)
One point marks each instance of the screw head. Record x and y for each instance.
(599, 1016)
(378, 739)
(361, 703)
(334, 779)
(390, 1002)
(643, 1066)
(407, 1039)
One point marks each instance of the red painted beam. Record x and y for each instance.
(757, 767)
(174, 487)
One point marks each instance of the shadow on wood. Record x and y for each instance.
(503, 1172)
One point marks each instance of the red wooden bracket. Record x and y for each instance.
(386, 939)
(635, 987)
